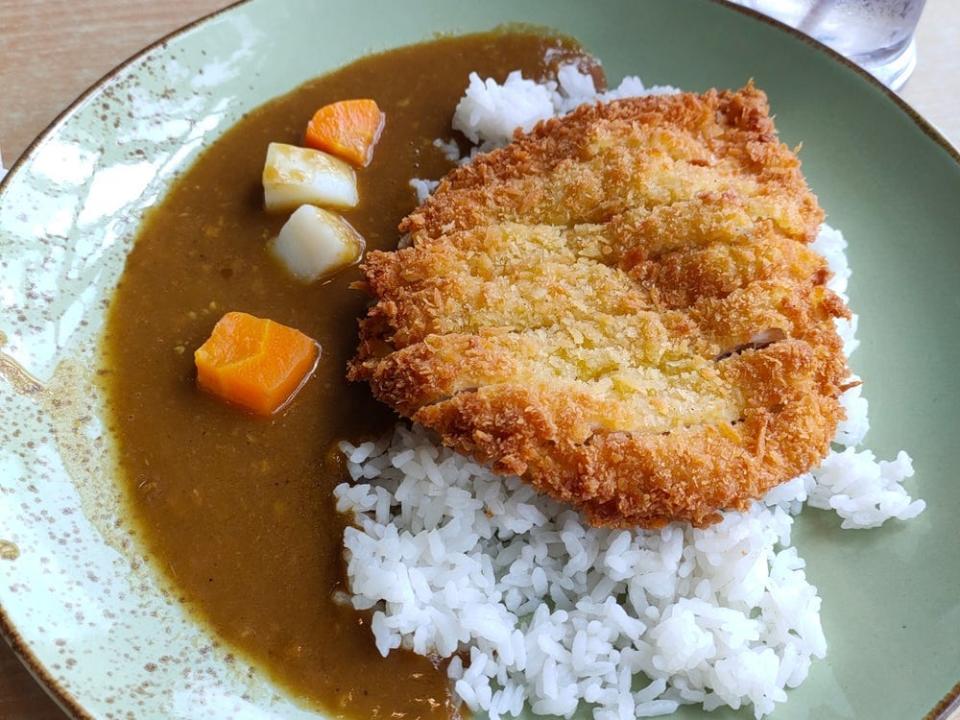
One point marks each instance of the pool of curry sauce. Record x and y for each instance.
(237, 510)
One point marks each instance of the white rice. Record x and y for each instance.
(423, 188)
(490, 112)
(536, 608)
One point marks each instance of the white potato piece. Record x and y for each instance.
(294, 176)
(315, 243)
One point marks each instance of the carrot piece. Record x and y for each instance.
(348, 129)
(254, 363)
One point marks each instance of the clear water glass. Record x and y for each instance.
(875, 34)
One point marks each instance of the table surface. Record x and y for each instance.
(52, 50)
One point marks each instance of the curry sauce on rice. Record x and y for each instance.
(621, 334)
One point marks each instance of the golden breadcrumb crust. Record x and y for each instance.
(621, 307)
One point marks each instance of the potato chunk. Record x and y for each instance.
(315, 243)
(293, 176)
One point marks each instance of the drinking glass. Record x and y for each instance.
(875, 34)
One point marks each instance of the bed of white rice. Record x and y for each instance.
(539, 610)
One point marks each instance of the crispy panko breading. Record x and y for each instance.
(621, 307)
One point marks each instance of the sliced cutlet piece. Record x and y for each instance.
(621, 307)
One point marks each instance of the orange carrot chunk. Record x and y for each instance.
(254, 363)
(348, 129)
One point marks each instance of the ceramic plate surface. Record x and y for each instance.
(82, 604)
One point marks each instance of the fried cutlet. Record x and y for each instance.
(621, 307)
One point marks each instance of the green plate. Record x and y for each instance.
(87, 613)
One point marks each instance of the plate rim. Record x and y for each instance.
(64, 699)
(942, 710)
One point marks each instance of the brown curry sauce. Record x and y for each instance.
(236, 510)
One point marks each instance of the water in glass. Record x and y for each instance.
(875, 34)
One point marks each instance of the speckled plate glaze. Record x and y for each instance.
(85, 609)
